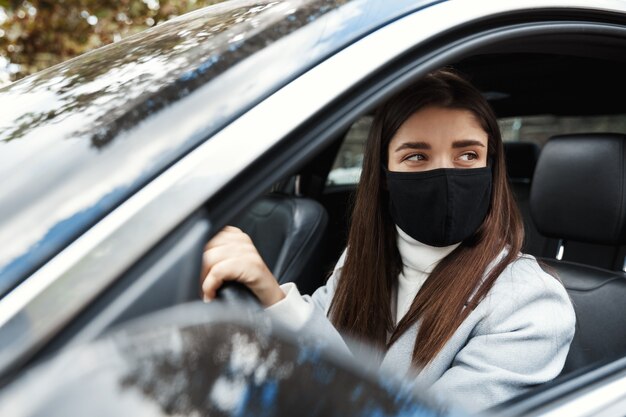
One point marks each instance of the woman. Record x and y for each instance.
(432, 273)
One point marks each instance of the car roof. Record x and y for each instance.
(73, 138)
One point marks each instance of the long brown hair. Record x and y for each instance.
(361, 306)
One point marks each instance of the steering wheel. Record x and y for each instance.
(232, 292)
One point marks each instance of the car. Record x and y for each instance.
(120, 164)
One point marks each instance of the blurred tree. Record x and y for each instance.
(36, 34)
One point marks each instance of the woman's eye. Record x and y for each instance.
(468, 156)
(416, 157)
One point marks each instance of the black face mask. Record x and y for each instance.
(442, 206)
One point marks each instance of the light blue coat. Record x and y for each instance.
(517, 337)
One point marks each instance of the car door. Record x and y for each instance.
(205, 189)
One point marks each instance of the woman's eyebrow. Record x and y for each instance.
(413, 145)
(466, 143)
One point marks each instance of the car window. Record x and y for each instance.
(346, 169)
(347, 166)
(539, 129)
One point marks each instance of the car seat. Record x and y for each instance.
(521, 159)
(579, 195)
(287, 231)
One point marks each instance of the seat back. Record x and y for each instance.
(598, 298)
(521, 159)
(579, 194)
(287, 231)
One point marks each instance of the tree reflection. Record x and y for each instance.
(36, 34)
(114, 88)
(233, 370)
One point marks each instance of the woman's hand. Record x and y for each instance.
(231, 256)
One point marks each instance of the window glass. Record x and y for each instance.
(539, 129)
(347, 167)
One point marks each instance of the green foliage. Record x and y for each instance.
(36, 34)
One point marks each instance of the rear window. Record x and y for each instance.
(346, 169)
(539, 129)
(347, 166)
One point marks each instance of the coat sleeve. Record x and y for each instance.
(308, 314)
(521, 341)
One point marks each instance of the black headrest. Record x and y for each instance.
(579, 189)
(521, 159)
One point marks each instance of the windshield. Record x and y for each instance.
(65, 155)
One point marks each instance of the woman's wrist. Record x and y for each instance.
(270, 296)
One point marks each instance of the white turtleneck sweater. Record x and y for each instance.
(418, 260)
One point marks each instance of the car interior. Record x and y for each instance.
(558, 178)
(564, 125)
